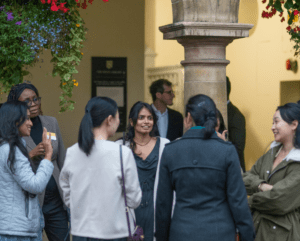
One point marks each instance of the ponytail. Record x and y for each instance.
(86, 137)
(96, 111)
(210, 125)
(203, 111)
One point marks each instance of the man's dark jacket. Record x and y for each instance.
(175, 125)
(237, 131)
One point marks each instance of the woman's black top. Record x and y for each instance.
(147, 172)
(52, 198)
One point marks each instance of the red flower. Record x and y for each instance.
(78, 5)
(77, 1)
(65, 10)
(282, 19)
(296, 12)
(264, 14)
(268, 6)
(43, 1)
(264, 1)
(274, 10)
(54, 7)
(288, 28)
(49, 1)
(84, 5)
(62, 5)
(91, 1)
(280, 15)
(105, 0)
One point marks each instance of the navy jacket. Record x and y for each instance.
(211, 200)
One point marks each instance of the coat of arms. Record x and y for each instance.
(109, 64)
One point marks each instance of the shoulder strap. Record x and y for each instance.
(124, 191)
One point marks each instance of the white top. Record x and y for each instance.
(162, 121)
(92, 189)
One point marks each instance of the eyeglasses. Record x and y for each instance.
(36, 100)
(169, 92)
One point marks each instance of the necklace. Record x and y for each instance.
(143, 144)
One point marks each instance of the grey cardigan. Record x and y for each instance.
(92, 187)
(20, 216)
(58, 155)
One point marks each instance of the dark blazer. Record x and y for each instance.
(237, 131)
(175, 125)
(58, 156)
(211, 199)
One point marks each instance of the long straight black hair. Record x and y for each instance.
(290, 112)
(12, 115)
(133, 115)
(96, 111)
(204, 113)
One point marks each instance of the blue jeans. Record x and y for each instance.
(77, 238)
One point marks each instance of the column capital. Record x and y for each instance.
(205, 29)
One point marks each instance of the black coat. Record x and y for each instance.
(211, 200)
(237, 131)
(175, 125)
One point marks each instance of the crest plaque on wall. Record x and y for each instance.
(109, 79)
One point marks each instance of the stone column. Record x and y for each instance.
(205, 28)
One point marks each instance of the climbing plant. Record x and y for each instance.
(27, 27)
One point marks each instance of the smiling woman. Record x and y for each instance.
(21, 179)
(56, 217)
(147, 150)
(273, 182)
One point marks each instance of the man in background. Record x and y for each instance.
(236, 127)
(169, 122)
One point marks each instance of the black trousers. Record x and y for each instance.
(56, 217)
(77, 238)
(56, 224)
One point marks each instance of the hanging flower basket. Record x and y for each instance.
(27, 27)
(293, 10)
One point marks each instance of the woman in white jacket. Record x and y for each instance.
(147, 150)
(91, 178)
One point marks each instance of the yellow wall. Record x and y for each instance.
(116, 29)
(256, 69)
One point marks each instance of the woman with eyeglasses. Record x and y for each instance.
(55, 213)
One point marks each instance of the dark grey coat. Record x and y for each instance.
(58, 156)
(211, 200)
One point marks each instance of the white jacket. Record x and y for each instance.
(92, 189)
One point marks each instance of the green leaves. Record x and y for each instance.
(289, 4)
(20, 45)
(270, 2)
(277, 6)
(291, 15)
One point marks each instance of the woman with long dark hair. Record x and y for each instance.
(273, 181)
(21, 218)
(91, 177)
(147, 150)
(204, 171)
(55, 214)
